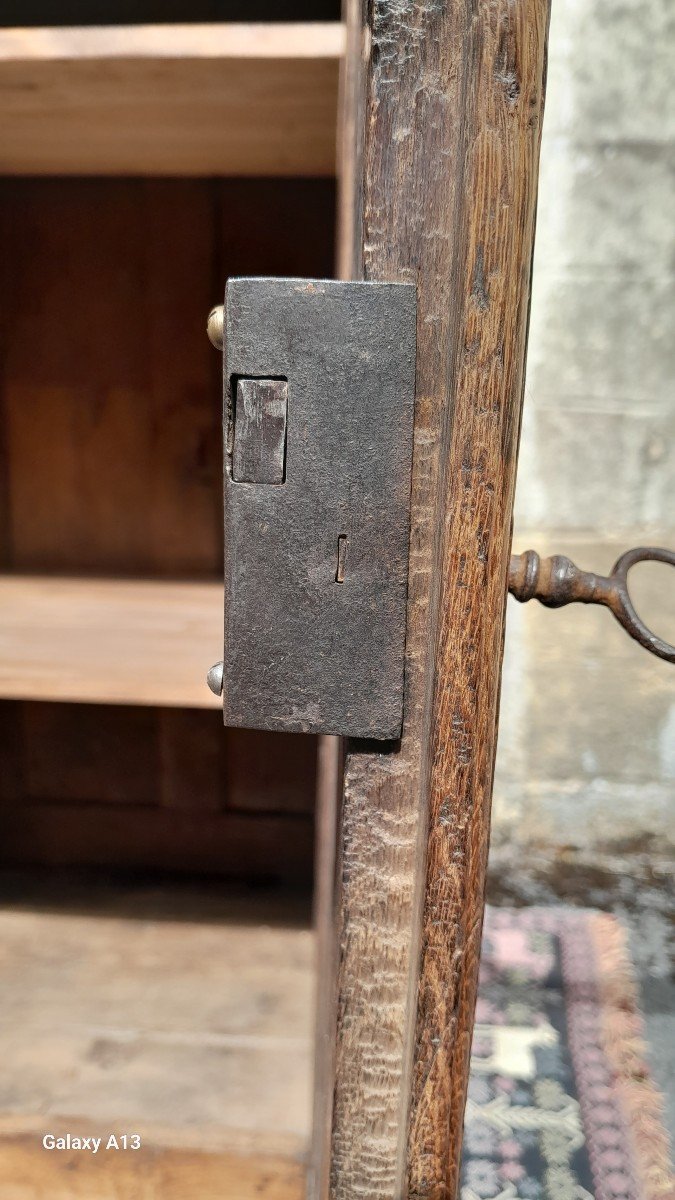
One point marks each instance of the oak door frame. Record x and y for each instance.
(441, 112)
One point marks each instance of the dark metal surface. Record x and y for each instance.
(259, 440)
(557, 581)
(316, 567)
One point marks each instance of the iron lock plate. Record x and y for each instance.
(319, 382)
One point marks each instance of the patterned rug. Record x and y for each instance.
(561, 1106)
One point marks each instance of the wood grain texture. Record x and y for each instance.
(30, 1173)
(110, 464)
(218, 99)
(270, 772)
(242, 846)
(109, 641)
(449, 112)
(167, 789)
(328, 795)
(181, 1011)
(506, 61)
(112, 432)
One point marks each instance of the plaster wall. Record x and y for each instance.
(586, 758)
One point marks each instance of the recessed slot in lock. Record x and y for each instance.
(259, 441)
(319, 387)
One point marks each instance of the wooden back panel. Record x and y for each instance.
(110, 392)
(133, 12)
(154, 789)
(110, 464)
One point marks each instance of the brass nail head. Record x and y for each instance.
(214, 679)
(215, 325)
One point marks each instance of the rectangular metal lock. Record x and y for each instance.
(319, 384)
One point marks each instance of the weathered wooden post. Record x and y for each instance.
(442, 113)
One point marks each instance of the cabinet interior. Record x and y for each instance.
(154, 867)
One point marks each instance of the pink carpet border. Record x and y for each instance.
(602, 1010)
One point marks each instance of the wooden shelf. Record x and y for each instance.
(184, 1017)
(109, 641)
(218, 99)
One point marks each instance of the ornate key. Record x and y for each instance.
(557, 581)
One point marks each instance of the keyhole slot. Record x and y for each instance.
(341, 558)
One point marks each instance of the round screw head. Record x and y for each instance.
(215, 325)
(214, 679)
